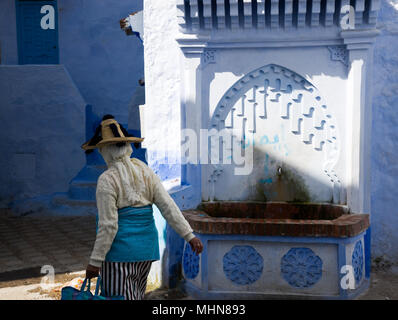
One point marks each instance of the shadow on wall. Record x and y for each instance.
(43, 117)
(108, 64)
(285, 123)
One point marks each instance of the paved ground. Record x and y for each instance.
(65, 243)
(28, 243)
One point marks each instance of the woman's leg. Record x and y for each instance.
(114, 278)
(125, 278)
(137, 279)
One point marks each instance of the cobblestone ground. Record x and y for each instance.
(65, 243)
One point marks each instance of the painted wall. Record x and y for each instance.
(41, 134)
(8, 33)
(163, 93)
(385, 136)
(103, 61)
(98, 60)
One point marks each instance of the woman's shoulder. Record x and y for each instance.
(139, 163)
(146, 170)
(107, 178)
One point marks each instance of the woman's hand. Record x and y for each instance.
(196, 245)
(92, 272)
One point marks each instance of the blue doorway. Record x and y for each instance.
(37, 27)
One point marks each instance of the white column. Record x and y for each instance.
(358, 139)
(191, 101)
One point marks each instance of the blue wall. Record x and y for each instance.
(99, 65)
(385, 137)
(42, 117)
(8, 33)
(104, 62)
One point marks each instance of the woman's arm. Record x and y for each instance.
(169, 209)
(107, 220)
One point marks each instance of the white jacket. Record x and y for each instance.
(143, 187)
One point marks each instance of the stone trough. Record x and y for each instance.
(255, 250)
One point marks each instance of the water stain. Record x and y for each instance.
(285, 185)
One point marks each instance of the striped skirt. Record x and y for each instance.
(125, 278)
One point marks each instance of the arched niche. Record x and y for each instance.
(283, 120)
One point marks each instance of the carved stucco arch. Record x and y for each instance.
(288, 89)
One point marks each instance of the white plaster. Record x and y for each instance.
(162, 78)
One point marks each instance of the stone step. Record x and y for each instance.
(82, 190)
(64, 200)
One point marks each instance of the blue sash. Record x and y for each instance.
(136, 238)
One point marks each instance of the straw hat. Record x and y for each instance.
(109, 132)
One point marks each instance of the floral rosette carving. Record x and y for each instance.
(243, 265)
(357, 261)
(301, 267)
(190, 263)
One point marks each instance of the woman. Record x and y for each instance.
(127, 239)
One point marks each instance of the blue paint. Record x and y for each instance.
(301, 267)
(368, 261)
(36, 45)
(204, 257)
(104, 62)
(190, 263)
(48, 128)
(384, 137)
(262, 141)
(186, 197)
(358, 261)
(243, 265)
(175, 246)
(341, 261)
(268, 180)
(341, 243)
(105, 65)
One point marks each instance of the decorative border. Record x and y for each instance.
(357, 261)
(339, 53)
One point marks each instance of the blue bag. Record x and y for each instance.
(71, 293)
